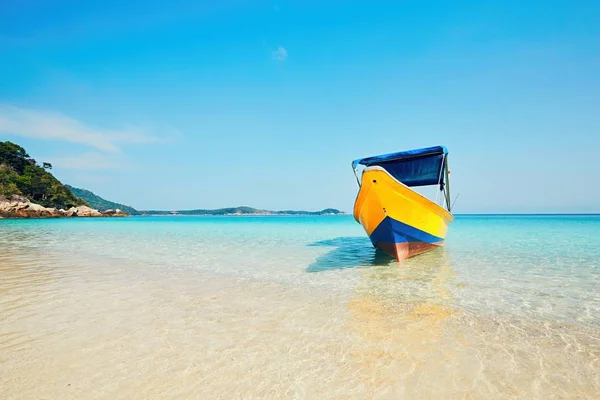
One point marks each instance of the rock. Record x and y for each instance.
(85, 211)
(20, 207)
(114, 213)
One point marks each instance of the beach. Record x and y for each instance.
(299, 308)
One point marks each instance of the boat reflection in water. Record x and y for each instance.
(403, 322)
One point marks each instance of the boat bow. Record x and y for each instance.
(396, 218)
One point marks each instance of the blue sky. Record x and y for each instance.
(183, 104)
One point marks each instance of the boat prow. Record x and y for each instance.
(397, 219)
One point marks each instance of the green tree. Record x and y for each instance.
(20, 174)
(14, 156)
(8, 177)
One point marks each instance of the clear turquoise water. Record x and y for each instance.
(297, 307)
(545, 267)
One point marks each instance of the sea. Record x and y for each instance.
(297, 307)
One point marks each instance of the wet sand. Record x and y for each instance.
(84, 328)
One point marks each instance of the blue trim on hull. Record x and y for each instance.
(391, 231)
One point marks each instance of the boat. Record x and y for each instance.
(399, 220)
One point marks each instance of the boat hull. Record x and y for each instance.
(398, 220)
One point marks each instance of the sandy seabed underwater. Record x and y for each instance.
(297, 307)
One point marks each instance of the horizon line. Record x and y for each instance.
(350, 213)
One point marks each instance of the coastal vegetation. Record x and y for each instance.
(99, 203)
(23, 181)
(21, 175)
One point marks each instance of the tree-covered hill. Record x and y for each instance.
(99, 203)
(22, 175)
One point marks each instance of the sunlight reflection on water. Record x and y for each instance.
(301, 309)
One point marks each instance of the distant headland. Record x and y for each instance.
(29, 190)
(243, 210)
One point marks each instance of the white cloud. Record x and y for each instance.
(50, 125)
(89, 161)
(280, 54)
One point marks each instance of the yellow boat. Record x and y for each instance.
(399, 220)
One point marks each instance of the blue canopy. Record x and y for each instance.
(418, 167)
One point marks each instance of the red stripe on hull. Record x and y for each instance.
(405, 250)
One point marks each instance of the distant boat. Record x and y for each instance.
(397, 219)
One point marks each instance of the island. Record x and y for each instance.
(243, 210)
(29, 190)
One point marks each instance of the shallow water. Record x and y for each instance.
(297, 307)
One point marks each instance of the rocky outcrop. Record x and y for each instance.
(20, 207)
(115, 213)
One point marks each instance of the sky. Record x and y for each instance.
(198, 104)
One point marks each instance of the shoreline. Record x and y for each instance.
(19, 207)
